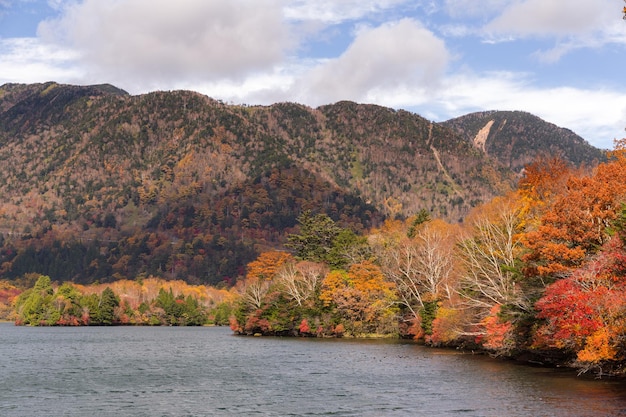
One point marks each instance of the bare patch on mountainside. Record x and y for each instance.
(480, 139)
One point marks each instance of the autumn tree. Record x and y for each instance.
(417, 256)
(9, 293)
(491, 284)
(576, 224)
(542, 182)
(260, 274)
(491, 253)
(585, 313)
(301, 281)
(363, 298)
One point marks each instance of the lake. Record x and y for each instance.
(191, 371)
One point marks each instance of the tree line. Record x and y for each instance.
(151, 301)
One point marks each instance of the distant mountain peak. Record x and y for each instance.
(517, 138)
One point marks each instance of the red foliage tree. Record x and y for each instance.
(585, 313)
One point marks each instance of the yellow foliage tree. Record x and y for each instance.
(363, 298)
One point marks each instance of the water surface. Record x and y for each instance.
(170, 371)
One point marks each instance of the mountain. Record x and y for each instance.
(97, 184)
(516, 138)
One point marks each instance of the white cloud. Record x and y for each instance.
(610, 35)
(56, 4)
(597, 115)
(151, 42)
(387, 57)
(263, 88)
(553, 17)
(27, 59)
(457, 30)
(570, 24)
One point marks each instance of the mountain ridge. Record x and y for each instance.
(508, 136)
(96, 161)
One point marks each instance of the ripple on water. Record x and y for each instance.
(208, 372)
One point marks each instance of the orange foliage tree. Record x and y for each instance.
(446, 326)
(576, 223)
(260, 275)
(8, 294)
(543, 181)
(363, 298)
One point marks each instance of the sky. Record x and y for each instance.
(562, 60)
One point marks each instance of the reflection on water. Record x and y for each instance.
(124, 371)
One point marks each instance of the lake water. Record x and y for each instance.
(169, 371)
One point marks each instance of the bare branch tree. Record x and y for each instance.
(490, 256)
(420, 266)
(300, 280)
(253, 290)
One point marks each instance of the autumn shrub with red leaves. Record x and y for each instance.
(234, 325)
(304, 327)
(498, 332)
(256, 324)
(446, 326)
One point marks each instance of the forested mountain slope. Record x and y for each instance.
(96, 184)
